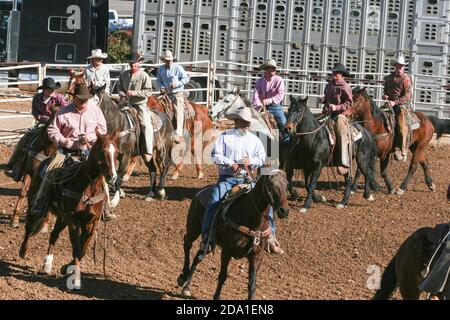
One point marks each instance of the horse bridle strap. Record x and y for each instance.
(257, 235)
(250, 173)
(76, 195)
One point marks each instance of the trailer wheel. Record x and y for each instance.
(194, 96)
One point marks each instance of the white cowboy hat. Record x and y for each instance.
(399, 60)
(268, 63)
(97, 54)
(167, 56)
(243, 113)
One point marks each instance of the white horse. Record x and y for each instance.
(230, 104)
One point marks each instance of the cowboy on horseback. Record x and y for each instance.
(235, 152)
(398, 93)
(97, 73)
(338, 98)
(43, 106)
(74, 131)
(171, 78)
(269, 95)
(136, 86)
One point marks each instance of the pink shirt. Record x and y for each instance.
(272, 89)
(70, 125)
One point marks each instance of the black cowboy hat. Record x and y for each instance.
(134, 57)
(49, 83)
(339, 67)
(81, 91)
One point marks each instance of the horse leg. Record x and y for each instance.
(366, 171)
(311, 183)
(224, 261)
(74, 234)
(15, 219)
(292, 190)
(162, 180)
(254, 262)
(384, 174)
(123, 166)
(356, 180)
(199, 256)
(412, 169)
(348, 189)
(199, 168)
(426, 171)
(54, 235)
(189, 238)
(87, 235)
(152, 170)
(129, 170)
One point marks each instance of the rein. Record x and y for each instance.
(221, 113)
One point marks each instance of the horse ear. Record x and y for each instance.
(292, 99)
(116, 135)
(237, 91)
(305, 99)
(98, 134)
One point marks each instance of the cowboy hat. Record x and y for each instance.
(49, 83)
(270, 63)
(97, 54)
(168, 56)
(398, 60)
(81, 91)
(243, 113)
(134, 57)
(339, 67)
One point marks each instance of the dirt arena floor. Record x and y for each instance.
(328, 252)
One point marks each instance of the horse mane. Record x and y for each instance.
(376, 112)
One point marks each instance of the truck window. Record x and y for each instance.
(58, 24)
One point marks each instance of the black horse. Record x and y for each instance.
(131, 144)
(235, 233)
(311, 151)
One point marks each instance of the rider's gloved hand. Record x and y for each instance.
(57, 161)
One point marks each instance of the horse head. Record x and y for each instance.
(296, 112)
(359, 105)
(75, 77)
(97, 91)
(105, 153)
(275, 189)
(229, 103)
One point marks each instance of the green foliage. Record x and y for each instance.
(119, 45)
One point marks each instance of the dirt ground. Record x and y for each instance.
(328, 251)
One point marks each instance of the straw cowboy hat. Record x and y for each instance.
(271, 63)
(97, 54)
(243, 113)
(49, 83)
(339, 67)
(81, 91)
(168, 56)
(134, 57)
(398, 60)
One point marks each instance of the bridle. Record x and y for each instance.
(224, 111)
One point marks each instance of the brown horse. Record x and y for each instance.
(405, 269)
(199, 126)
(240, 233)
(39, 149)
(77, 200)
(373, 119)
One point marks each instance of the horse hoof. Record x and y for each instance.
(14, 222)
(122, 193)
(22, 253)
(115, 201)
(371, 198)
(432, 187)
(63, 269)
(181, 282)
(148, 198)
(174, 176)
(187, 293)
(126, 178)
(200, 175)
(340, 206)
(162, 194)
(303, 210)
(323, 200)
(400, 192)
(352, 192)
(392, 191)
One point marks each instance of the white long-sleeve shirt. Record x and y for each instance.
(99, 76)
(232, 147)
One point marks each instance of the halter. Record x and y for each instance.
(219, 114)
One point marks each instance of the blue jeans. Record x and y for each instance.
(277, 111)
(223, 185)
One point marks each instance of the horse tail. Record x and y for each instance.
(373, 153)
(35, 223)
(388, 282)
(441, 126)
